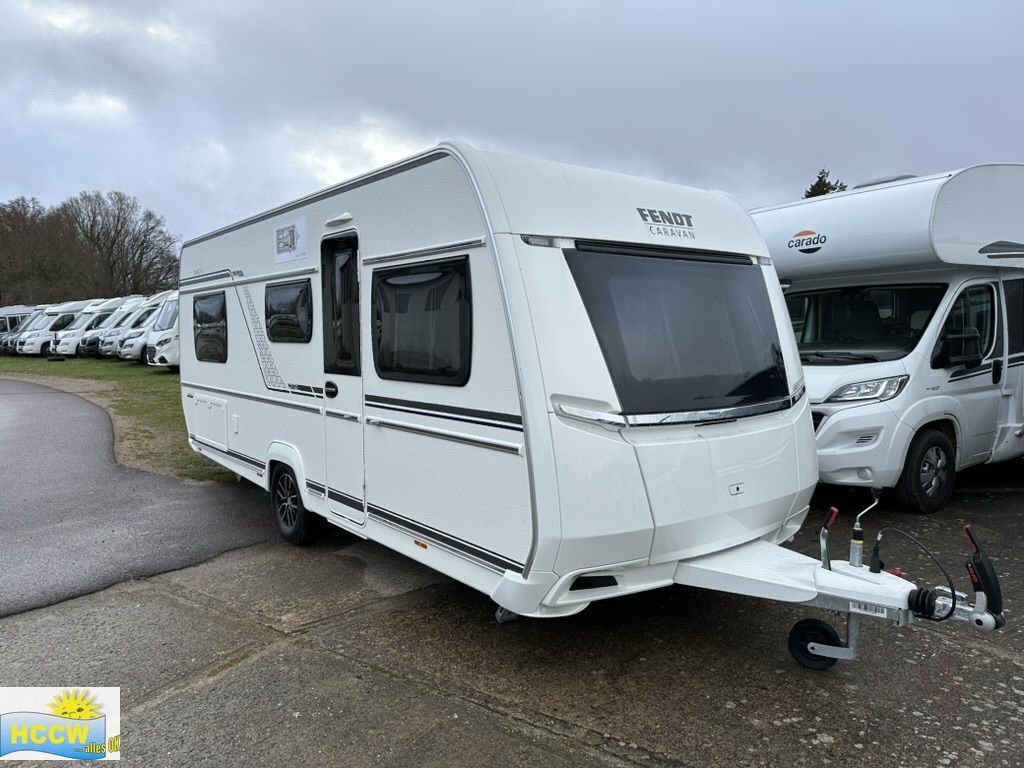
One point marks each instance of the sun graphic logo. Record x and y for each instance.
(76, 705)
(81, 724)
(807, 241)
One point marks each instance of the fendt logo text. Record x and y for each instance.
(668, 223)
(807, 241)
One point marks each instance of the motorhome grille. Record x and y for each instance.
(817, 417)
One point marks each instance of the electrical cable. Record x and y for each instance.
(876, 560)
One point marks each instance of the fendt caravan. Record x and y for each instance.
(554, 384)
(907, 299)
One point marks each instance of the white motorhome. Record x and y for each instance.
(162, 347)
(67, 342)
(89, 344)
(554, 384)
(11, 317)
(38, 340)
(9, 343)
(133, 326)
(907, 300)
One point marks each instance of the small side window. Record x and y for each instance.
(210, 327)
(289, 312)
(422, 322)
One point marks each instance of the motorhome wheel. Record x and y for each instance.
(928, 474)
(294, 522)
(809, 631)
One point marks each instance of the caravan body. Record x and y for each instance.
(907, 299)
(11, 317)
(552, 383)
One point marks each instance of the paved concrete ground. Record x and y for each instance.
(74, 521)
(347, 654)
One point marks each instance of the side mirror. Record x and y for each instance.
(958, 350)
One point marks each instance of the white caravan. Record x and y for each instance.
(39, 339)
(67, 342)
(554, 384)
(907, 299)
(162, 347)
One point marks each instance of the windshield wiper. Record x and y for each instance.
(851, 356)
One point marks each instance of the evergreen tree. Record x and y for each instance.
(823, 185)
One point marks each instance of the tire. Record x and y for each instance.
(929, 473)
(295, 523)
(812, 631)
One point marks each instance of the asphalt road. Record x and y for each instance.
(73, 521)
(347, 653)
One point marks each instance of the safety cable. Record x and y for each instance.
(877, 561)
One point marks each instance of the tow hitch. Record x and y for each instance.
(816, 645)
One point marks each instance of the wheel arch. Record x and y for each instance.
(285, 454)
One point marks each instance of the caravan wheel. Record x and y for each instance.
(294, 522)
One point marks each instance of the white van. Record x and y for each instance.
(67, 342)
(554, 384)
(907, 299)
(162, 348)
(39, 339)
(110, 340)
(89, 343)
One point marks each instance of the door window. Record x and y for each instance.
(1014, 292)
(339, 271)
(974, 309)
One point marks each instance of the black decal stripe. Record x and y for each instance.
(231, 454)
(343, 498)
(255, 398)
(959, 376)
(432, 409)
(317, 487)
(484, 555)
(446, 417)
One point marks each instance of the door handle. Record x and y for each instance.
(330, 389)
(997, 371)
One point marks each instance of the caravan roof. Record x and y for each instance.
(966, 217)
(70, 306)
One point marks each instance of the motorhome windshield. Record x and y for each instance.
(36, 321)
(80, 321)
(168, 316)
(681, 334)
(856, 324)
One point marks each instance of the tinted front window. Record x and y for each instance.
(1014, 292)
(422, 322)
(289, 312)
(861, 323)
(168, 316)
(81, 321)
(680, 334)
(341, 307)
(210, 327)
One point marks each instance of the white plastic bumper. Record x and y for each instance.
(861, 445)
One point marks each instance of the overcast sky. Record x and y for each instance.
(211, 110)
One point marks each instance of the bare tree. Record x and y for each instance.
(133, 251)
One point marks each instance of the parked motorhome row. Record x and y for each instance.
(116, 328)
(554, 384)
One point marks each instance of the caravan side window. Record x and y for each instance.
(974, 308)
(289, 312)
(422, 322)
(210, 327)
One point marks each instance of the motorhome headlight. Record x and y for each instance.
(163, 343)
(132, 335)
(876, 389)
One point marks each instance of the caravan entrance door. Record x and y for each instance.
(343, 383)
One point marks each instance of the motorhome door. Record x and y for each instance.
(978, 387)
(343, 383)
(1011, 406)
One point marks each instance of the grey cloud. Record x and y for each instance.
(234, 107)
